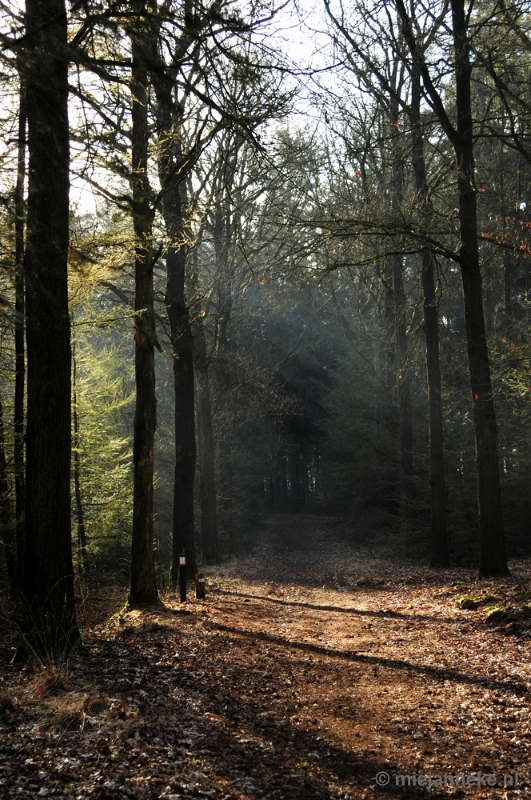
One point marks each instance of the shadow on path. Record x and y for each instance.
(391, 663)
(357, 611)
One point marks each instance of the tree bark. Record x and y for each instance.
(183, 378)
(400, 413)
(297, 477)
(224, 345)
(49, 615)
(205, 440)
(143, 588)
(492, 547)
(508, 272)
(20, 367)
(390, 464)
(80, 517)
(172, 171)
(440, 545)
(7, 529)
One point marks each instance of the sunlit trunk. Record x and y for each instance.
(80, 516)
(20, 366)
(7, 529)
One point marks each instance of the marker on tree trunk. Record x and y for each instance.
(182, 576)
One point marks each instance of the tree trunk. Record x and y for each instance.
(18, 421)
(440, 545)
(399, 414)
(508, 271)
(49, 619)
(7, 529)
(143, 589)
(205, 439)
(401, 374)
(404, 389)
(183, 377)
(391, 468)
(224, 345)
(80, 517)
(297, 477)
(170, 168)
(492, 547)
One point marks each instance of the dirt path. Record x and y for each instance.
(310, 672)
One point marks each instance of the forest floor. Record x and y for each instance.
(310, 671)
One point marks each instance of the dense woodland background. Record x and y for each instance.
(302, 284)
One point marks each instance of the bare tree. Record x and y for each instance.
(461, 136)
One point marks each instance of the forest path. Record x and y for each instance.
(309, 672)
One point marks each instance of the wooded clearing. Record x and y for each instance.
(311, 668)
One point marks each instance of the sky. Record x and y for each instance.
(293, 32)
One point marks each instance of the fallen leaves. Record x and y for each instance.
(288, 682)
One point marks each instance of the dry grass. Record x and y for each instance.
(51, 681)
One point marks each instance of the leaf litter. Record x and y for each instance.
(310, 671)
